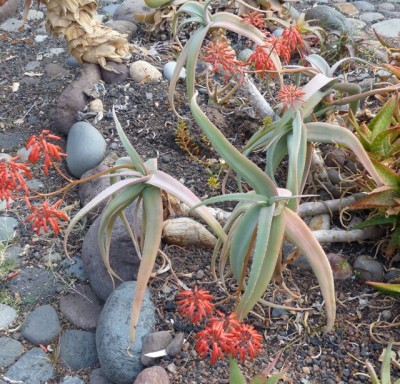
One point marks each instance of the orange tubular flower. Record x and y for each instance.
(289, 95)
(213, 337)
(246, 341)
(195, 305)
(256, 19)
(260, 59)
(45, 214)
(292, 37)
(221, 55)
(12, 178)
(41, 148)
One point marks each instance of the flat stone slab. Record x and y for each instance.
(10, 350)
(34, 367)
(42, 325)
(78, 349)
(8, 226)
(388, 28)
(35, 284)
(7, 316)
(82, 308)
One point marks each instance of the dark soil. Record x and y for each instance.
(365, 320)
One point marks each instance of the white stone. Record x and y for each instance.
(11, 25)
(34, 15)
(143, 72)
(41, 38)
(169, 69)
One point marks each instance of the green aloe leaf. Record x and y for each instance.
(111, 212)
(378, 220)
(235, 375)
(381, 122)
(383, 142)
(104, 195)
(246, 169)
(299, 234)
(246, 197)
(297, 150)
(385, 368)
(373, 376)
(153, 211)
(389, 289)
(136, 160)
(389, 176)
(270, 231)
(242, 239)
(330, 133)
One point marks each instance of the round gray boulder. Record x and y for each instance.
(86, 148)
(119, 358)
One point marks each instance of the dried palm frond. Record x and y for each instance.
(88, 40)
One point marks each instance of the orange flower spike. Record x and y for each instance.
(195, 305)
(41, 148)
(260, 59)
(292, 37)
(213, 336)
(47, 214)
(247, 341)
(221, 54)
(256, 19)
(289, 95)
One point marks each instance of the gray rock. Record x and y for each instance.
(11, 25)
(341, 268)
(72, 380)
(32, 65)
(8, 225)
(388, 28)
(71, 62)
(110, 9)
(153, 375)
(123, 26)
(86, 148)
(175, 346)
(154, 342)
(370, 17)
(41, 38)
(112, 335)
(357, 23)
(364, 5)
(72, 100)
(10, 350)
(97, 377)
(7, 316)
(78, 349)
(8, 9)
(35, 184)
(113, 77)
(128, 8)
(393, 275)
(34, 367)
(41, 326)
(14, 254)
(34, 284)
(89, 190)
(123, 258)
(245, 54)
(82, 307)
(388, 7)
(328, 18)
(55, 70)
(75, 268)
(367, 268)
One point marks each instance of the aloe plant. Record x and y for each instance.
(257, 228)
(142, 182)
(385, 369)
